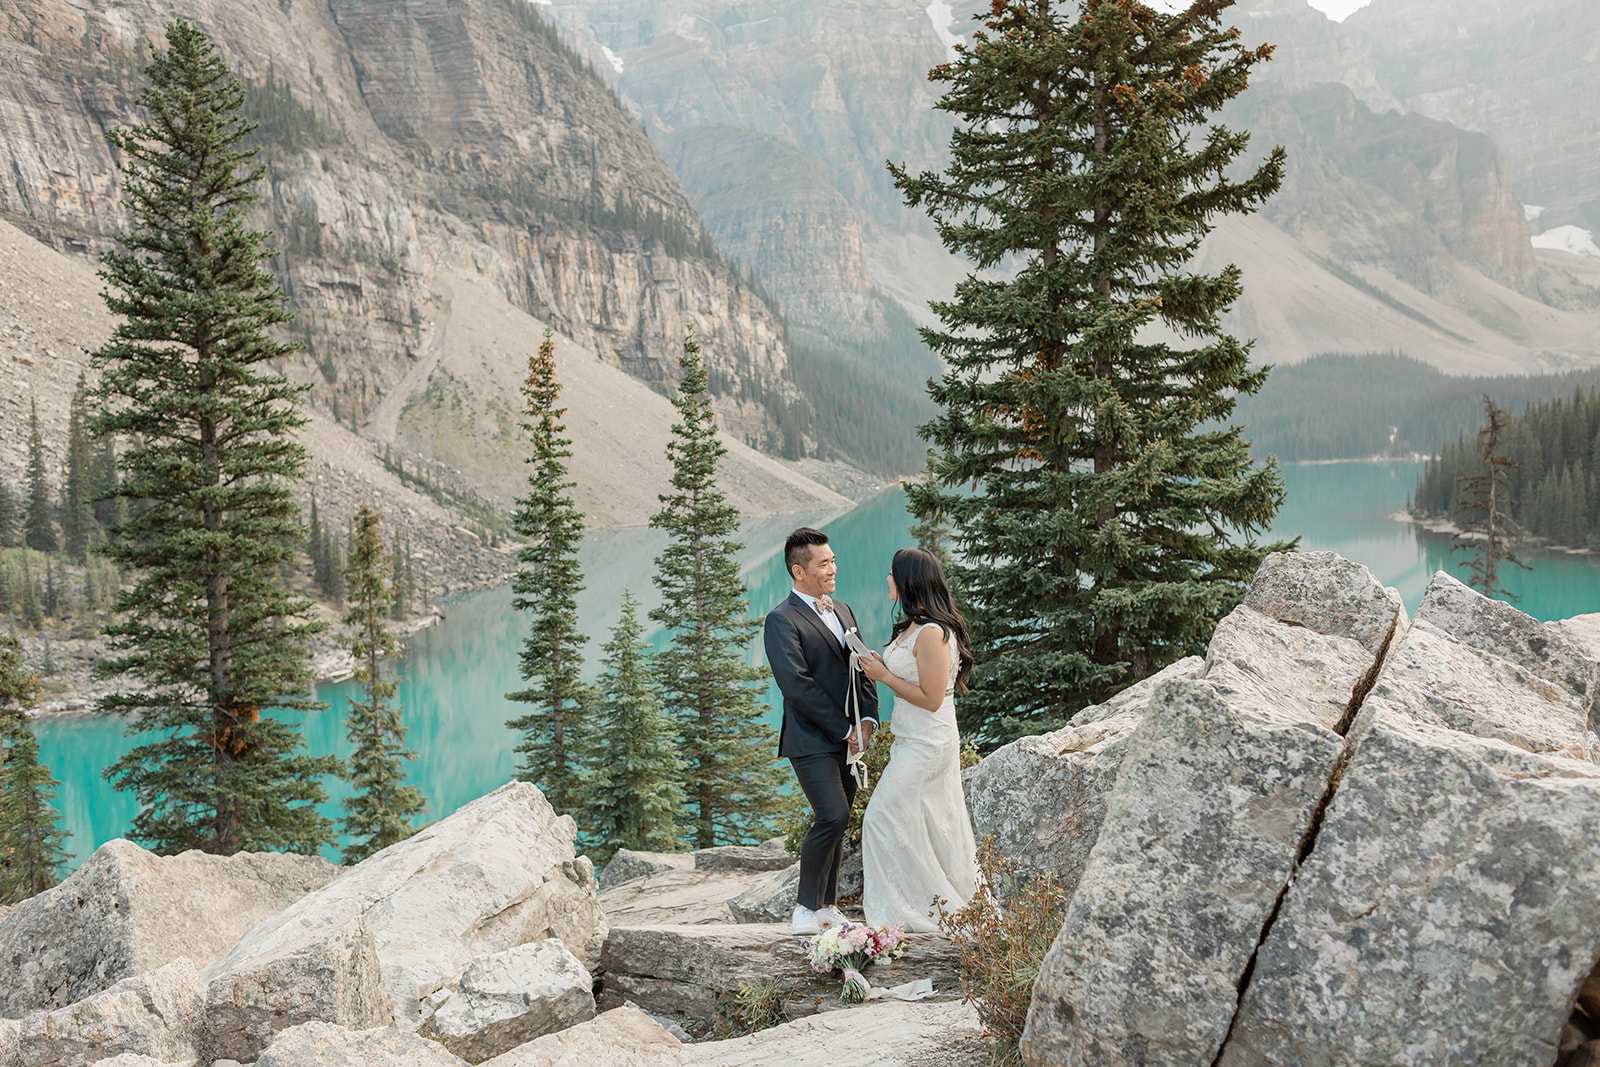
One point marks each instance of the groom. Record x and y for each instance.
(804, 640)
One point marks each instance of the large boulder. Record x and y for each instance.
(318, 1044)
(621, 1037)
(330, 976)
(1220, 781)
(680, 897)
(511, 997)
(677, 972)
(771, 900)
(1449, 912)
(1043, 798)
(127, 911)
(741, 858)
(497, 873)
(880, 1034)
(160, 1014)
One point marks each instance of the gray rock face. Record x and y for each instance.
(621, 1037)
(160, 1014)
(134, 1059)
(325, 1045)
(497, 873)
(1218, 786)
(1200, 837)
(681, 897)
(510, 998)
(1448, 914)
(677, 971)
(741, 858)
(628, 864)
(1043, 798)
(770, 900)
(127, 911)
(330, 976)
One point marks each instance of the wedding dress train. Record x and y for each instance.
(916, 837)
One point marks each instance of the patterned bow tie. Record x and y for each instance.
(825, 604)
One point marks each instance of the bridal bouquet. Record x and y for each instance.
(850, 947)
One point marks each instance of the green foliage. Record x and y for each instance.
(208, 632)
(1094, 519)
(10, 519)
(755, 1006)
(1001, 936)
(1552, 454)
(865, 398)
(282, 121)
(77, 514)
(632, 792)
(39, 530)
(110, 507)
(547, 585)
(327, 562)
(1380, 404)
(18, 688)
(481, 515)
(32, 600)
(707, 685)
(31, 856)
(380, 810)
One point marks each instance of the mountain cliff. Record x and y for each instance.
(405, 142)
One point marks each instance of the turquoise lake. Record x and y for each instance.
(455, 676)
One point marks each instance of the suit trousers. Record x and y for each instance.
(830, 788)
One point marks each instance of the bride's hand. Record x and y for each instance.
(873, 667)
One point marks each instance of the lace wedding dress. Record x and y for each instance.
(916, 838)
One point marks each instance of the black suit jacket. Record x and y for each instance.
(812, 670)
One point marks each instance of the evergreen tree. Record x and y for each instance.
(1486, 528)
(31, 855)
(547, 585)
(77, 513)
(402, 578)
(931, 531)
(110, 508)
(382, 805)
(208, 631)
(706, 683)
(632, 793)
(316, 548)
(10, 520)
(38, 527)
(32, 600)
(30, 833)
(52, 595)
(1093, 511)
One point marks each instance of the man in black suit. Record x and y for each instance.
(804, 640)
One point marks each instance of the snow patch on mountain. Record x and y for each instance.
(612, 58)
(1573, 239)
(941, 16)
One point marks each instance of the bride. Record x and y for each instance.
(916, 837)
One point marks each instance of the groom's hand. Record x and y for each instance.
(867, 726)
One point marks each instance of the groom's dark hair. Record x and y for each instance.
(797, 550)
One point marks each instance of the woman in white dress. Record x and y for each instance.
(916, 838)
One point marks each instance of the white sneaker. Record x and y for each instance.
(830, 916)
(804, 921)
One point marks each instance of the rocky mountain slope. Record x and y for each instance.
(441, 139)
(1394, 230)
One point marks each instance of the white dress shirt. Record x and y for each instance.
(831, 620)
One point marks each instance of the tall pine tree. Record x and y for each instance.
(707, 686)
(31, 855)
(208, 631)
(110, 507)
(547, 586)
(1096, 516)
(77, 512)
(10, 519)
(39, 528)
(381, 808)
(632, 793)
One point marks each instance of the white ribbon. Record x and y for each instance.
(913, 990)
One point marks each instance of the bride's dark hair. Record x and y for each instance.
(925, 598)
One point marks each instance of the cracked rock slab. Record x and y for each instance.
(509, 998)
(621, 1037)
(1200, 837)
(160, 1014)
(1448, 915)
